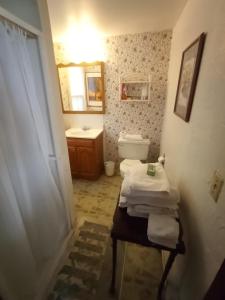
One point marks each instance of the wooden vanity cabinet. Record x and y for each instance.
(86, 157)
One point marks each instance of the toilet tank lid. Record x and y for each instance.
(140, 142)
(133, 137)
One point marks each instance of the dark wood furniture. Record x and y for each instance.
(134, 230)
(86, 157)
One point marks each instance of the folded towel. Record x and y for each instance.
(126, 191)
(123, 202)
(159, 199)
(148, 201)
(133, 213)
(155, 210)
(163, 242)
(163, 230)
(140, 181)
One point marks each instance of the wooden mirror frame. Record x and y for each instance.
(84, 64)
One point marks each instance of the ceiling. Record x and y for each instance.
(113, 17)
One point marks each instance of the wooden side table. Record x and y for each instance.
(134, 230)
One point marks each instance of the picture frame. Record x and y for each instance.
(189, 70)
(94, 88)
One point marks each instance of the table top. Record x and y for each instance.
(134, 230)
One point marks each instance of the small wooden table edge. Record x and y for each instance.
(180, 249)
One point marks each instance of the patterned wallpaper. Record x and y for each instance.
(65, 91)
(146, 53)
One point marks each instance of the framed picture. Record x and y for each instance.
(94, 88)
(190, 65)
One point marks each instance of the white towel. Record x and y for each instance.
(154, 199)
(123, 201)
(139, 180)
(156, 210)
(133, 213)
(127, 192)
(163, 242)
(145, 210)
(148, 201)
(163, 230)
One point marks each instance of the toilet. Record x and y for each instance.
(133, 149)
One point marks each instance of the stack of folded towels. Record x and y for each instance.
(152, 197)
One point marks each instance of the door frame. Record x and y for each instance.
(51, 86)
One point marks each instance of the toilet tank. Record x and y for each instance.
(132, 149)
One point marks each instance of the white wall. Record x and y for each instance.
(195, 149)
(26, 10)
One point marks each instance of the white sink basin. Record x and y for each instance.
(83, 134)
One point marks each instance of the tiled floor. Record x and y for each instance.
(87, 271)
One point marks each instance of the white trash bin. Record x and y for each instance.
(109, 168)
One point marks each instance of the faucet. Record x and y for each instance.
(85, 128)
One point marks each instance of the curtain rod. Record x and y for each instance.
(11, 23)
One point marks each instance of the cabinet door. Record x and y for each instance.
(73, 159)
(86, 161)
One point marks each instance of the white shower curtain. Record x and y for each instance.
(33, 220)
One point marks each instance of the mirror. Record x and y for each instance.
(82, 88)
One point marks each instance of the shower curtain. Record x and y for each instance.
(33, 219)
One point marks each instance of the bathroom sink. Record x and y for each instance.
(91, 133)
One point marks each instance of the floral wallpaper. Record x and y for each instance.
(136, 53)
(146, 53)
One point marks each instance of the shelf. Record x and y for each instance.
(135, 86)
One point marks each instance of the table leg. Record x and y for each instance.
(168, 266)
(114, 258)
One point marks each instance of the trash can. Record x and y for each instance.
(109, 168)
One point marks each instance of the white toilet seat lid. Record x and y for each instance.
(126, 164)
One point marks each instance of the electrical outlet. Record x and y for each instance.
(216, 184)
